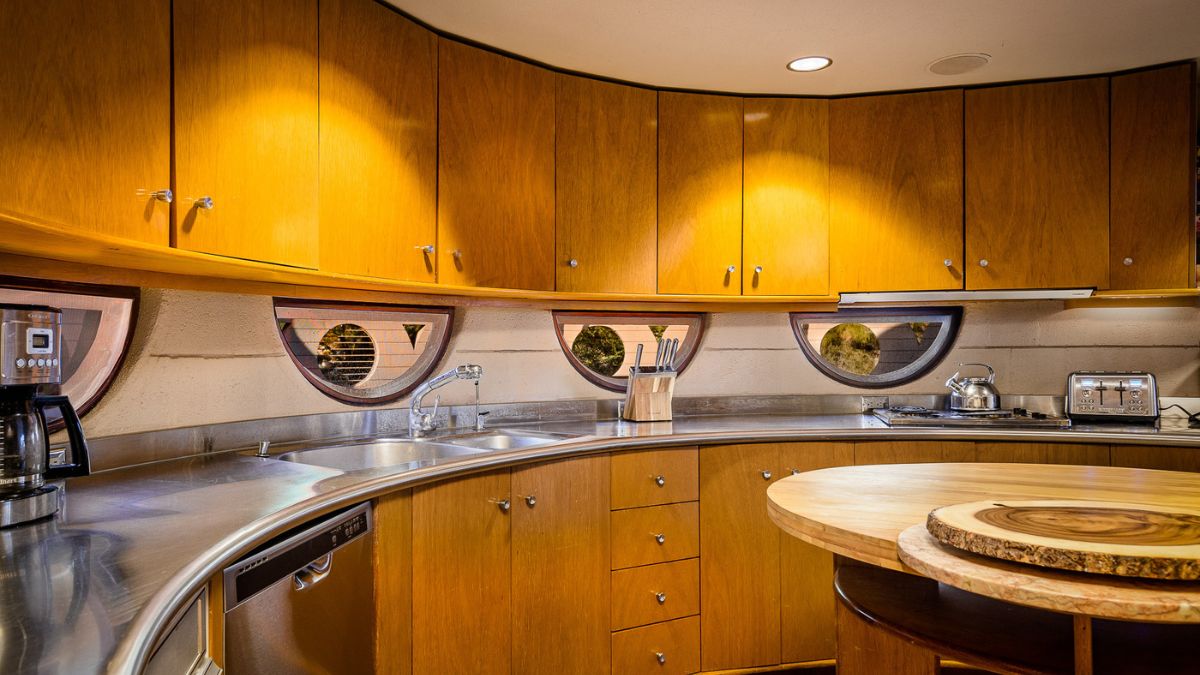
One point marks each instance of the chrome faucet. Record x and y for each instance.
(419, 421)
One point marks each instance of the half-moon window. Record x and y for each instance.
(877, 347)
(363, 353)
(602, 346)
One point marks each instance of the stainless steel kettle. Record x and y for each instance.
(974, 394)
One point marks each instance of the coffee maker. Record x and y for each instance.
(30, 357)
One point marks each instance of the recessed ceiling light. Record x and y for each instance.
(957, 64)
(807, 64)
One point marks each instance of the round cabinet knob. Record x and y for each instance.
(427, 249)
(205, 203)
(766, 475)
(758, 269)
(504, 505)
(572, 263)
(165, 196)
(983, 262)
(456, 253)
(948, 262)
(662, 658)
(795, 472)
(660, 538)
(1127, 262)
(531, 501)
(661, 598)
(731, 269)
(660, 480)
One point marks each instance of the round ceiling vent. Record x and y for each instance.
(958, 64)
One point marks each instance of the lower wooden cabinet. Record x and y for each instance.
(1043, 453)
(668, 648)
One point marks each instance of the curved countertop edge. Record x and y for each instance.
(133, 650)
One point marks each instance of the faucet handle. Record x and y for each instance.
(432, 416)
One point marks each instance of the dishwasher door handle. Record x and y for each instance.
(313, 573)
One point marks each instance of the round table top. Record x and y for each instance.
(861, 511)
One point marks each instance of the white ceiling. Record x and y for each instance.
(876, 45)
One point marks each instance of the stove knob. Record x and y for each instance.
(20, 363)
(41, 363)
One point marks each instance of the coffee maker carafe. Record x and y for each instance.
(31, 356)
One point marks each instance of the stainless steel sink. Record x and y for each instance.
(506, 439)
(381, 453)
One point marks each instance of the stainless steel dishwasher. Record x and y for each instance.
(304, 604)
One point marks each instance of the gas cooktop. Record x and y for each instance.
(916, 416)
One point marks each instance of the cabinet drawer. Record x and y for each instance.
(651, 477)
(654, 593)
(655, 534)
(668, 648)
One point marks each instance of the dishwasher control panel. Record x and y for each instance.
(1112, 396)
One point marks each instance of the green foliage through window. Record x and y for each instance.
(852, 347)
(599, 348)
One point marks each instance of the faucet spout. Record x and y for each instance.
(419, 421)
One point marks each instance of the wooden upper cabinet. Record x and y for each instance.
(378, 142)
(895, 181)
(1152, 241)
(605, 167)
(1037, 185)
(85, 115)
(699, 194)
(495, 170)
(246, 129)
(785, 229)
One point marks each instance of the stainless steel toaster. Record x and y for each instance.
(1112, 396)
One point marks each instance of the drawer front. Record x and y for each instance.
(652, 477)
(670, 648)
(645, 595)
(655, 534)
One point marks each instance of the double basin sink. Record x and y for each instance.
(393, 453)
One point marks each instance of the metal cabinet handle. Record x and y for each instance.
(205, 203)
(572, 263)
(660, 538)
(795, 472)
(456, 253)
(766, 475)
(660, 480)
(313, 573)
(983, 262)
(948, 262)
(427, 249)
(165, 196)
(531, 501)
(1127, 262)
(662, 658)
(731, 269)
(758, 269)
(661, 598)
(504, 505)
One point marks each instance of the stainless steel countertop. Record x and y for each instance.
(90, 590)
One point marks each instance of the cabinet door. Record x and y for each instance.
(85, 114)
(606, 199)
(495, 170)
(807, 621)
(699, 194)
(560, 565)
(913, 452)
(1156, 457)
(393, 583)
(246, 129)
(1152, 236)
(739, 558)
(462, 603)
(1043, 453)
(785, 237)
(1037, 185)
(378, 158)
(895, 184)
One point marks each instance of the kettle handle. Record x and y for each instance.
(80, 464)
(991, 371)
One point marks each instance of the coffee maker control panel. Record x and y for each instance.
(30, 351)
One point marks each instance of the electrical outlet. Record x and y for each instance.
(870, 403)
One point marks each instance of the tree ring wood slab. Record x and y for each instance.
(1115, 538)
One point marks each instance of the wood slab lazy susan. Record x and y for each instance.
(1115, 538)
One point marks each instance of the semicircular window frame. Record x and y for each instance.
(950, 317)
(688, 347)
(440, 320)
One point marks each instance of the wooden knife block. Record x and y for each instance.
(648, 397)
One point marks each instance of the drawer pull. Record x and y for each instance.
(795, 472)
(662, 658)
(660, 480)
(661, 598)
(531, 501)
(766, 475)
(660, 538)
(504, 504)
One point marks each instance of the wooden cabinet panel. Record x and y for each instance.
(1043, 453)
(785, 228)
(895, 185)
(668, 648)
(912, 452)
(806, 614)
(462, 602)
(606, 198)
(378, 142)
(655, 534)
(650, 477)
(495, 170)
(246, 128)
(1153, 181)
(699, 194)
(1156, 457)
(560, 566)
(644, 595)
(739, 560)
(85, 114)
(1037, 185)
(393, 583)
